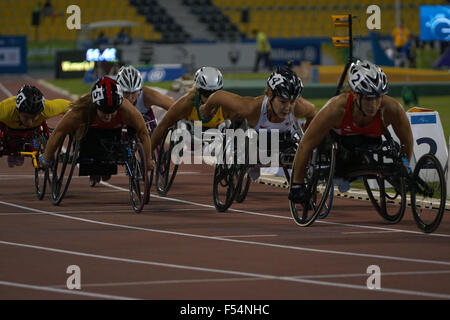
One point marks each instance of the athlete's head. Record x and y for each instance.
(130, 80)
(369, 83)
(107, 96)
(30, 103)
(284, 86)
(208, 80)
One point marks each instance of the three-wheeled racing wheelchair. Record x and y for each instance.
(100, 152)
(232, 174)
(27, 143)
(386, 176)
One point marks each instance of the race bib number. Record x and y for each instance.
(20, 99)
(97, 95)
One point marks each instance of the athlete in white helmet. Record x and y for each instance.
(207, 80)
(360, 115)
(130, 80)
(278, 109)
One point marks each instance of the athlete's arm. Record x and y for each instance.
(179, 110)
(153, 97)
(328, 117)
(304, 109)
(395, 115)
(68, 124)
(133, 118)
(55, 107)
(6, 108)
(231, 104)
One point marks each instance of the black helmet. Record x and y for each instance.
(107, 95)
(285, 83)
(30, 100)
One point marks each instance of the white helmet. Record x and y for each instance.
(129, 78)
(366, 78)
(208, 79)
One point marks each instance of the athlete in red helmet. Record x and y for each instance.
(104, 108)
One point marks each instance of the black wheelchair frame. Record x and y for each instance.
(128, 152)
(232, 181)
(382, 164)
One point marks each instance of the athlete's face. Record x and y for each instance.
(27, 119)
(282, 107)
(370, 106)
(106, 117)
(131, 96)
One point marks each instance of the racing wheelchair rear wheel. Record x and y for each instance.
(166, 170)
(319, 181)
(138, 176)
(66, 155)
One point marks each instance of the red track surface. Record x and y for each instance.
(179, 247)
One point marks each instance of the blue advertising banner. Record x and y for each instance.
(13, 54)
(155, 73)
(435, 23)
(297, 50)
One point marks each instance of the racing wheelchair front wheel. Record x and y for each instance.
(66, 155)
(428, 193)
(138, 176)
(41, 175)
(319, 181)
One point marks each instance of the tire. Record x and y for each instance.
(385, 202)
(319, 180)
(428, 193)
(68, 157)
(41, 176)
(138, 177)
(166, 170)
(227, 176)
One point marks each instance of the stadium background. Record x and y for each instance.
(175, 38)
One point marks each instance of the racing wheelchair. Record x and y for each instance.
(167, 167)
(386, 176)
(99, 152)
(232, 174)
(28, 143)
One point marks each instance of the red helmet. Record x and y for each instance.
(107, 95)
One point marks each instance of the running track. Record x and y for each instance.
(179, 247)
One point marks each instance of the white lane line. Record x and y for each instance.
(146, 283)
(284, 217)
(366, 232)
(231, 272)
(246, 242)
(5, 90)
(73, 292)
(188, 281)
(250, 236)
(352, 275)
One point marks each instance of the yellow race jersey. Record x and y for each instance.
(211, 122)
(9, 115)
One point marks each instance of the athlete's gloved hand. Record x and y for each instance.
(298, 193)
(44, 163)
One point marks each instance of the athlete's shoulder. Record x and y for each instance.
(7, 107)
(11, 101)
(56, 107)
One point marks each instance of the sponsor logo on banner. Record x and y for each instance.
(10, 56)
